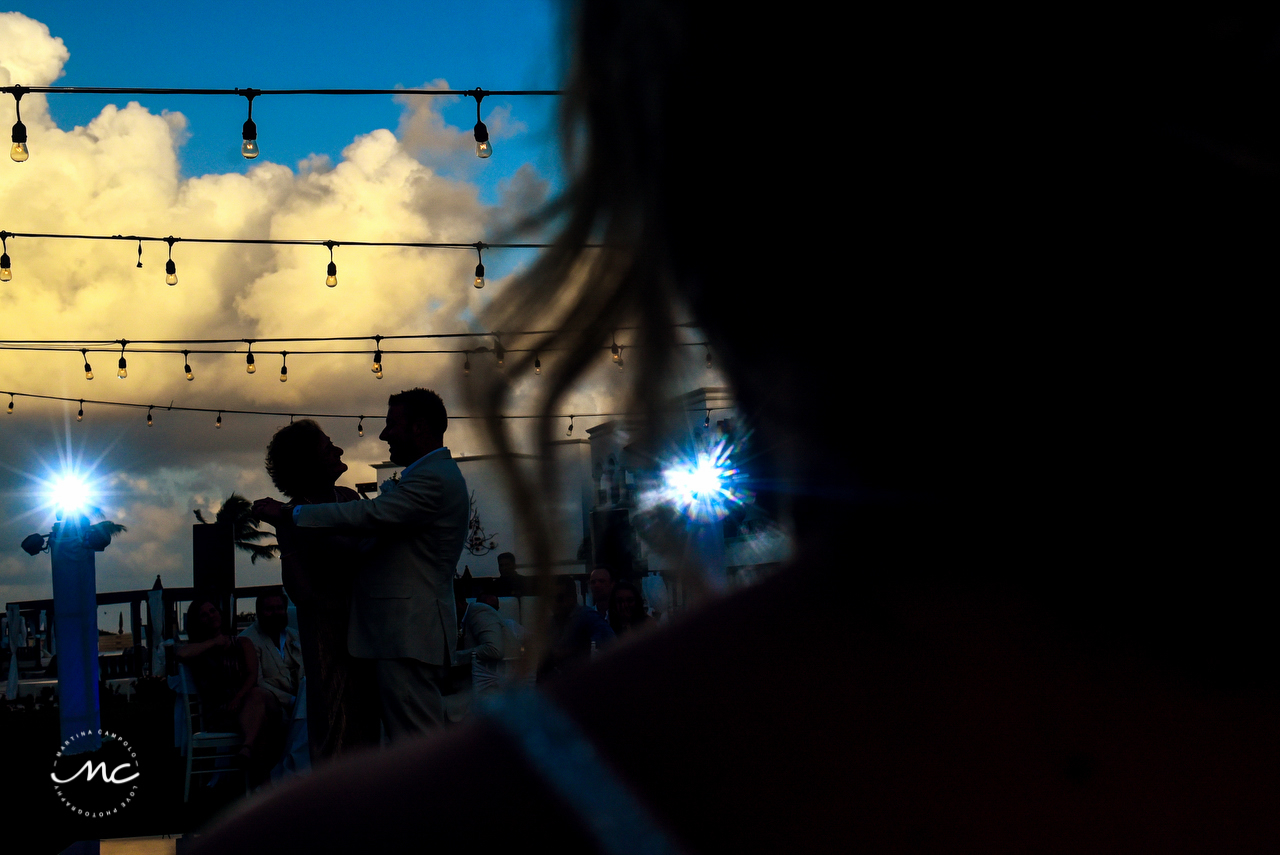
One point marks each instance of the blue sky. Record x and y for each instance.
(506, 44)
(397, 181)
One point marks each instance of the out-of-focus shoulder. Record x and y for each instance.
(345, 494)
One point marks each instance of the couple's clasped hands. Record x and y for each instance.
(270, 511)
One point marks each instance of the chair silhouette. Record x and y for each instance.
(209, 742)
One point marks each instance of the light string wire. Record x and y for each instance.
(185, 345)
(18, 91)
(296, 414)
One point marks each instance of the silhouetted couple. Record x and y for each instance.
(372, 579)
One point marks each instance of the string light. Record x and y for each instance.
(331, 279)
(708, 357)
(249, 367)
(615, 350)
(359, 418)
(218, 424)
(80, 412)
(186, 365)
(331, 273)
(479, 280)
(483, 147)
(498, 350)
(170, 269)
(569, 432)
(249, 132)
(537, 364)
(122, 371)
(88, 369)
(466, 365)
(284, 369)
(360, 427)
(6, 266)
(706, 423)
(148, 417)
(618, 358)
(377, 357)
(19, 152)
(249, 148)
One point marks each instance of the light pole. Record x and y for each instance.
(71, 545)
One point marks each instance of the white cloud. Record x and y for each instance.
(120, 174)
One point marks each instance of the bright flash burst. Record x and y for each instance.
(704, 488)
(70, 494)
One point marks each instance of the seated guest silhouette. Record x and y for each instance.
(225, 671)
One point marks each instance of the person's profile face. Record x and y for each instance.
(398, 435)
(330, 458)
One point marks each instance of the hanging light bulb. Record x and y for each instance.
(377, 357)
(569, 432)
(218, 424)
(360, 427)
(331, 274)
(479, 280)
(88, 369)
(122, 371)
(284, 369)
(80, 412)
(170, 269)
(6, 271)
(10, 404)
(618, 358)
(249, 367)
(466, 365)
(19, 151)
(615, 350)
(249, 148)
(186, 364)
(708, 357)
(148, 417)
(483, 147)
(139, 253)
(706, 423)
(537, 364)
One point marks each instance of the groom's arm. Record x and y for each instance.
(415, 501)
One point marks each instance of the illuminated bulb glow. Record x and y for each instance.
(249, 367)
(249, 148)
(6, 268)
(484, 148)
(170, 273)
(190, 374)
(360, 427)
(218, 423)
(479, 280)
(123, 370)
(19, 151)
(70, 494)
(332, 278)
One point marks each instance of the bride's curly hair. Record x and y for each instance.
(291, 456)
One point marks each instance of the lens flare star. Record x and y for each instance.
(705, 487)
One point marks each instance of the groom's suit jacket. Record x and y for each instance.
(402, 597)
